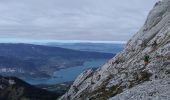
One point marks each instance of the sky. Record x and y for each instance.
(92, 20)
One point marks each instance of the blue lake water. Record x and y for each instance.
(68, 74)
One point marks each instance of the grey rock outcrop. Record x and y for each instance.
(151, 90)
(128, 75)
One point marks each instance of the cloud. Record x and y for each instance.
(113, 20)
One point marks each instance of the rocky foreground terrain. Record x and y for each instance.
(129, 76)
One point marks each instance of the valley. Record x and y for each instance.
(28, 61)
(46, 68)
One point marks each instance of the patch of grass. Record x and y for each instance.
(103, 94)
(140, 78)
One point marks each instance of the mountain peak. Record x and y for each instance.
(145, 61)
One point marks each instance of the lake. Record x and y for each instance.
(68, 74)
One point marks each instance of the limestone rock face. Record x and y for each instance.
(151, 90)
(128, 75)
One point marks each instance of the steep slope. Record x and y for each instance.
(144, 62)
(12, 88)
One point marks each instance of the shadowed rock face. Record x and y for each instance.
(128, 71)
(12, 88)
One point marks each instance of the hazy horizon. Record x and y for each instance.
(12, 40)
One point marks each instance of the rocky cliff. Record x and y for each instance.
(140, 72)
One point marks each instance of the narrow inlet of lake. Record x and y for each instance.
(68, 74)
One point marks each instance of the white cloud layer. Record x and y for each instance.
(108, 20)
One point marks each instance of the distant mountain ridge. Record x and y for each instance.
(28, 60)
(93, 47)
